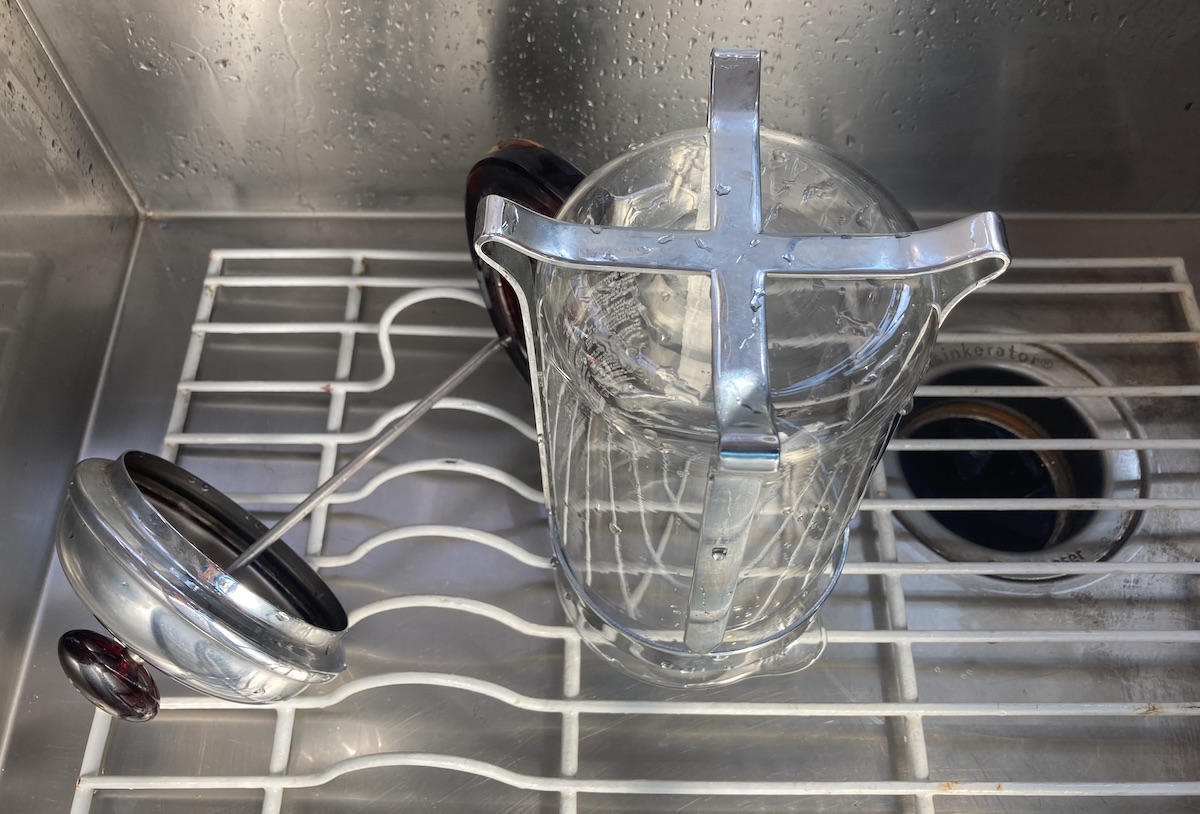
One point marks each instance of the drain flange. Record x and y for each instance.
(1032, 535)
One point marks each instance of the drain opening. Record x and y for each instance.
(1031, 474)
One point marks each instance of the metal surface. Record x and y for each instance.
(942, 689)
(52, 163)
(367, 106)
(54, 272)
(66, 228)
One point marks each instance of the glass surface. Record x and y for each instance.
(631, 424)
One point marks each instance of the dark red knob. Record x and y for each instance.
(107, 674)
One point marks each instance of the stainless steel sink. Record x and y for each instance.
(1044, 681)
(200, 203)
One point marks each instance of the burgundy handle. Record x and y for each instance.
(529, 174)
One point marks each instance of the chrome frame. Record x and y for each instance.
(737, 257)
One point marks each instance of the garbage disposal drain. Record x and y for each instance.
(1054, 535)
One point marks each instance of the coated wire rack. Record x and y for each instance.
(947, 685)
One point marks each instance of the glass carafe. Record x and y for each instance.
(724, 327)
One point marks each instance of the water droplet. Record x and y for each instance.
(614, 528)
(597, 229)
(665, 239)
(700, 244)
(818, 190)
(722, 189)
(719, 553)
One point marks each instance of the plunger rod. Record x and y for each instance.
(381, 442)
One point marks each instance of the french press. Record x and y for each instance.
(723, 327)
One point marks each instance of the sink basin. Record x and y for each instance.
(1057, 678)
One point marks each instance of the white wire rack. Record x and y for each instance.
(915, 709)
